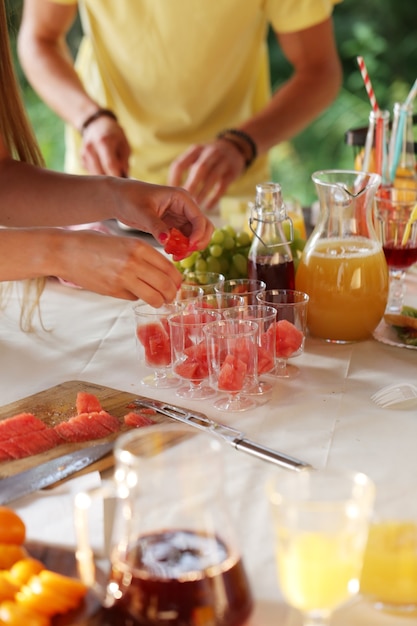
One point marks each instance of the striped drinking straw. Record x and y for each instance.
(379, 148)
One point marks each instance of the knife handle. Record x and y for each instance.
(267, 454)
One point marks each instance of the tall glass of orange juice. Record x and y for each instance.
(343, 267)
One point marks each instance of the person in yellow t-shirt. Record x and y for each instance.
(179, 92)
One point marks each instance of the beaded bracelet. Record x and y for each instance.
(231, 134)
(95, 116)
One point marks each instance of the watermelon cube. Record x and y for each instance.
(155, 339)
(232, 374)
(289, 339)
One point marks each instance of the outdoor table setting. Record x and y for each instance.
(324, 417)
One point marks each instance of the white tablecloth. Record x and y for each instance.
(324, 416)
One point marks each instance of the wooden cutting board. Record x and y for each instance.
(57, 404)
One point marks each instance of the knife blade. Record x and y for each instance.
(232, 436)
(50, 472)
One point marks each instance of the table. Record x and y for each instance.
(325, 417)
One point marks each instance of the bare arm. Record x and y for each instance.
(315, 82)
(314, 85)
(32, 196)
(49, 67)
(121, 267)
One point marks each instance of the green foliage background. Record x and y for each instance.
(382, 31)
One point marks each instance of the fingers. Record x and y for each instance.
(122, 267)
(153, 278)
(181, 165)
(208, 171)
(105, 149)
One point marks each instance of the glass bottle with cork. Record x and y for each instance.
(270, 258)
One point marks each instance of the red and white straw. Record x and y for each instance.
(368, 84)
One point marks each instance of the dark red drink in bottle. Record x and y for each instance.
(279, 276)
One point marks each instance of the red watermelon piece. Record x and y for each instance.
(108, 421)
(195, 365)
(289, 339)
(137, 420)
(37, 441)
(18, 424)
(67, 432)
(177, 244)
(13, 450)
(4, 456)
(265, 360)
(157, 344)
(87, 403)
(232, 374)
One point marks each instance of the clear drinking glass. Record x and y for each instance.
(247, 288)
(265, 317)
(219, 302)
(290, 328)
(153, 342)
(320, 520)
(189, 352)
(232, 361)
(189, 294)
(206, 280)
(395, 215)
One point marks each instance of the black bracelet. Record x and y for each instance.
(95, 116)
(231, 134)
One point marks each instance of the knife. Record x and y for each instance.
(232, 436)
(45, 474)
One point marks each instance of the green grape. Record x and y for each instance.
(217, 236)
(242, 239)
(229, 230)
(189, 261)
(213, 265)
(224, 265)
(200, 265)
(229, 242)
(240, 261)
(226, 253)
(216, 250)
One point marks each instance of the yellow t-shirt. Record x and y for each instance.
(178, 72)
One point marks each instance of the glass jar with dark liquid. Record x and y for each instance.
(173, 555)
(270, 257)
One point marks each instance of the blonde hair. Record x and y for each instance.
(21, 142)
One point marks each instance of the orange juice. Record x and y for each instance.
(319, 571)
(347, 281)
(389, 574)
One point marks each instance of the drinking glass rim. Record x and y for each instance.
(300, 297)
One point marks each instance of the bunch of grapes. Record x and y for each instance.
(227, 253)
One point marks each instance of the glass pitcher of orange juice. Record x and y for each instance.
(343, 267)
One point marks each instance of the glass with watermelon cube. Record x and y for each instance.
(219, 302)
(189, 352)
(290, 328)
(189, 294)
(153, 342)
(232, 354)
(247, 288)
(206, 280)
(265, 317)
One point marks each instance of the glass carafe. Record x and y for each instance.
(343, 267)
(171, 547)
(270, 257)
